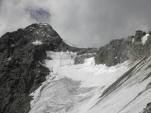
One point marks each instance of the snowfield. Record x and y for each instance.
(90, 88)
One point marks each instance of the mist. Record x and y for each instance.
(86, 23)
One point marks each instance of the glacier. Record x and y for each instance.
(90, 88)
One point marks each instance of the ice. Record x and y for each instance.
(77, 88)
(92, 75)
(131, 97)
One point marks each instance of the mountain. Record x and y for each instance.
(131, 48)
(41, 73)
(22, 54)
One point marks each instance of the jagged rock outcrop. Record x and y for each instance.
(22, 54)
(147, 109)
(120, 50)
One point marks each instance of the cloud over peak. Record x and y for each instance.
(86, 23)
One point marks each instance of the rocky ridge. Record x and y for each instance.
(132, 48)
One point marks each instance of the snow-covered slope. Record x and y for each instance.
(129, 94)
(90, 88)
(74, 88)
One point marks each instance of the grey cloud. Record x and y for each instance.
(39, 14)
(85, 23)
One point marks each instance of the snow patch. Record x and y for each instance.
(144, 39)
(133, 40)
(90, 61)
(37, 42)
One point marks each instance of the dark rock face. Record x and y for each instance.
(113, 53)
(22, 54)
(79, 59)
(84, 53)
(120, 50)
(147, 109)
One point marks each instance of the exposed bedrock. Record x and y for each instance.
(119, 50)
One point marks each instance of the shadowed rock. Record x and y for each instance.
(147, 109)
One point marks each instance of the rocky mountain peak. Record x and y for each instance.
(22, 54)
(119, 50)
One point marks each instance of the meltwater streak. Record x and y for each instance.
(73, 88)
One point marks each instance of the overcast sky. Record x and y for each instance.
(84, 23)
